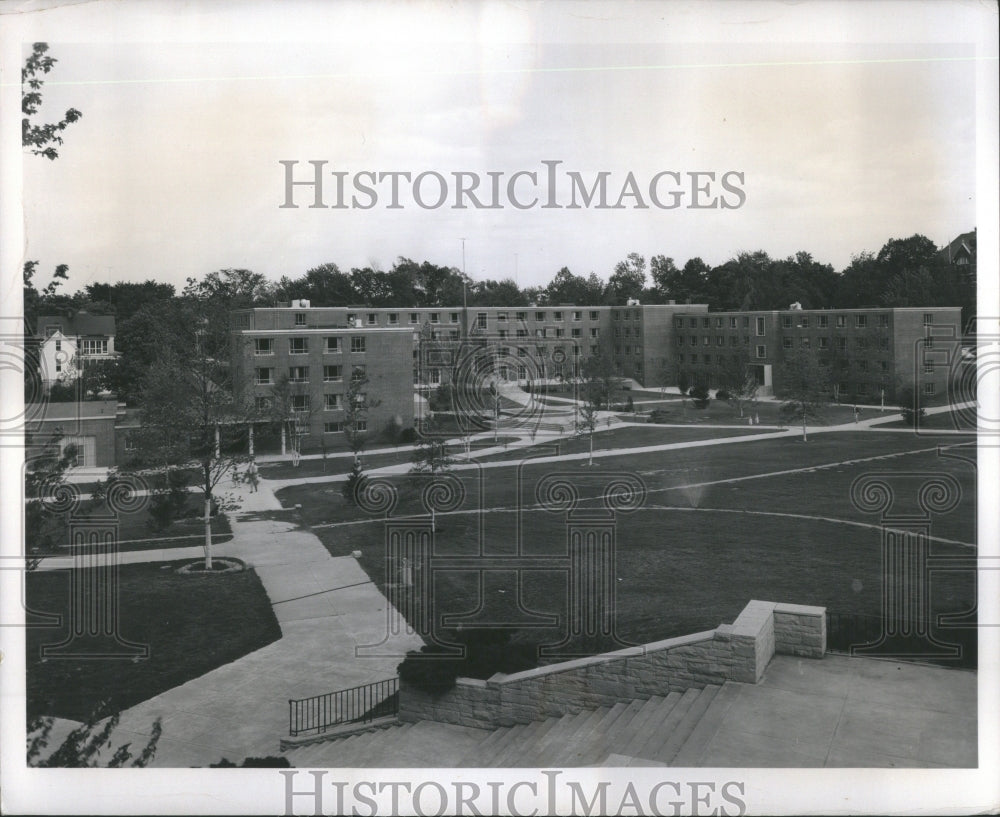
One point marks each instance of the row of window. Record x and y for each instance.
(264, 376)
(300, 346)
(301, 402)
(788, 321)
(788, 342)
(392, 318)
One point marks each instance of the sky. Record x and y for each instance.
(174, 169)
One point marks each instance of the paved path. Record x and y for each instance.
(325, 606)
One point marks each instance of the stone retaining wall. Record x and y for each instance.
(731, 652)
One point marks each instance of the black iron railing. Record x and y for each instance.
(361, 704)
(874, 636)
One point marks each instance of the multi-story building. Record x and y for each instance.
(67, 343)
(871, 353)
(310, 357)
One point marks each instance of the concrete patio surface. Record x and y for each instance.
(848, 712)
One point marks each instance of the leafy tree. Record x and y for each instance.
(628, 280)
(189, 402)
(430, 456)
(699, 395)
(83, 745)
(738, 377)
(290, 411)
(357, 404)
(41, 139)
(45, 469)
(805, 384)
(586, 419)
(601, 384)
(908, 398)
(567, 288)
(324, 285)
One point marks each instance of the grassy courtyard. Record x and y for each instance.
(192, 624)
(700, 548)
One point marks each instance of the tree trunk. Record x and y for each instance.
(590, 461)
(805, 439)
(208, 531)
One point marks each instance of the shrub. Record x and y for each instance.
(408, 436)
(487, 652)
(683, 382)
(700, 396)
(906, 399)
(721, 394)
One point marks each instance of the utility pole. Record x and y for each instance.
(465, 294)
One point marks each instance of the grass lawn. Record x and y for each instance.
(946, 420)
(192, 625)
(622, 437)
(724, 412)
(342, 464)
(696, 554)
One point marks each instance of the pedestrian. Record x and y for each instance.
(252, 477)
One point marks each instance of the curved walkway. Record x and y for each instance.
(326, 606)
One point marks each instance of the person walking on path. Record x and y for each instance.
(252, 477)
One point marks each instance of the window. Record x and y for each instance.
(705, 323)
(841, 343)
(928, 368)
(453, 317)
(707, 359)
(694, 358)
(502, 333)
(560, 332)
(693, 323)
(263, 377)
(786, 321)
(628, 332)
(481, 320)
(352, 318)
(860, 321)
(372, 319)
(638, 351)
(357, 345)
(334, 427)
(761, 351)
(720, 359)
(884, 365)
(577, 315)
(261, 346)
(718, 323)
(593, 314)
(804, 322)
(435, 376)
(628, 350)
(298, 346)
(414, 318)
(618, 351)
(501, 317)
(786, 343)
(521, 333)
(824, 321)
(263, 404)
(453, 334)
(521, 316)
(435, 317)
(732, 323)
(58, 345)
(298, 374)
(539, 316)
(595, 350)
(300, 402)
(615, 315)
(333, 346)
(929, 342)
(361, 425)
(760, 327)
(841, 321)
(393, 319)
(94, 347)
(595, 332)
(522, 352)
(883, 321)
(332, 402)
(333, 374)
(358, 373)
(577, 331)
(862, 388)
(635, 314)
(540, 333)
(541, 351)
(746, 340)
(680, 340)
(861, 343)
(58, 368)
(522, 372)
(557, 316)
(928, 388)
(824, 343)
(928, 319)
(300, 318)
(804, 343)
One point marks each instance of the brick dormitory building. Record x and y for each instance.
(872, 352)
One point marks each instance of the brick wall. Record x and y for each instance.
(732, 652)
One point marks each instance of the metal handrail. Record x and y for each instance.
(360, 704)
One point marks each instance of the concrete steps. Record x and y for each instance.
(671, 730)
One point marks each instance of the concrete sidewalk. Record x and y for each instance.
(325, 606)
